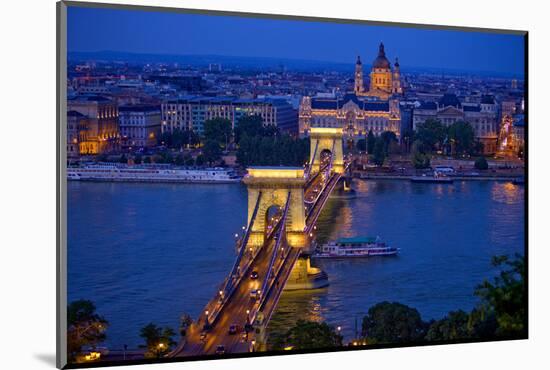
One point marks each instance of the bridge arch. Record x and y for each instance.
(322, 139)
(276, 184)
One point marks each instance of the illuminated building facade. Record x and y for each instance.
(139, 125)
(360, 111)
(75, 121)
(100, 131)
(190, 113)
(483, 117)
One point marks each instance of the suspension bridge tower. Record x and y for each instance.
(323, 139)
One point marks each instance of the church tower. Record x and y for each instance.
(358, 89)
(396, 79)
(381, 74)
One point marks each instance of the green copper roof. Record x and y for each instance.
(356, 240)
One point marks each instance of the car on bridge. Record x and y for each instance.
(220, 349)
(203, 336)
(233, 329)
(254, 275)
(255, 293)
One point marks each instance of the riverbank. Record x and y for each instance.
(502, 178)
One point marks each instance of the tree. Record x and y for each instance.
(310, 335)
(188, 160)
(157, 340)
(455, 326)
(211, 151)
(84, 327)
(147, 160)
(123, 159)
(379, 153)
(250, 126)
(505, 297)
(393, 323)
(390, 140)
(199, 161)
(481, 163)
(420, 159)
(180, 161)
(430, 133)
(362, 145)
(218, 130)
(102, 158)
(185, 323)
(138, 159)
(371, 140)
(461, 135)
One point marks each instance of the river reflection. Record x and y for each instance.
(447, 234)
(148, 252)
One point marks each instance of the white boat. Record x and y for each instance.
(354, 248)
(150, 173)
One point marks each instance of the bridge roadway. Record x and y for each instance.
(235, 310)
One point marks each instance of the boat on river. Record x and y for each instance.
(150, 173)
(354, 248)
(437, 177)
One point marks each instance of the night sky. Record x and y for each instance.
(190, 34)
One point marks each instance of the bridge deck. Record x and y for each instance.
(234, 310)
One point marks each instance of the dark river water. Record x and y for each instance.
(149, 252)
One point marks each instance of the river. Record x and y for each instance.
(148, 252)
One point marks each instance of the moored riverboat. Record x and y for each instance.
(354, 248)
(150, 173)
(437, 177)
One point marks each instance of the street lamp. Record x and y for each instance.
(160, 349)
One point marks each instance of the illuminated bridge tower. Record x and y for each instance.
(275, 183)
(324, 139)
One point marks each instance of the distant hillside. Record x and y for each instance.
(257, 63)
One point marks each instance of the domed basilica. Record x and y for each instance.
(360, 111)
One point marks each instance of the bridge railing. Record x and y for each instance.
(278, 242)
(243, 244)
(216, 305)
(308, 171)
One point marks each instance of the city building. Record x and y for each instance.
(139, 125)
(360, 111)
(190, 113)
(99, 133)
(483, 117)
(518, 134)
(75, 121)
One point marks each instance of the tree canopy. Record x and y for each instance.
(461, 135)
(218, 130)
(505, 297)
(84, 327)
(455, 326)
(371, 140)
(379, 152)
(393, 323)
(158, 340)
(481, 163)
(431, 133)
(311, 335)
(177, 139)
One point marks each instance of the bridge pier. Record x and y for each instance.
(306, 277)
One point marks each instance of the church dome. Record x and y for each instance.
(381, 61)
